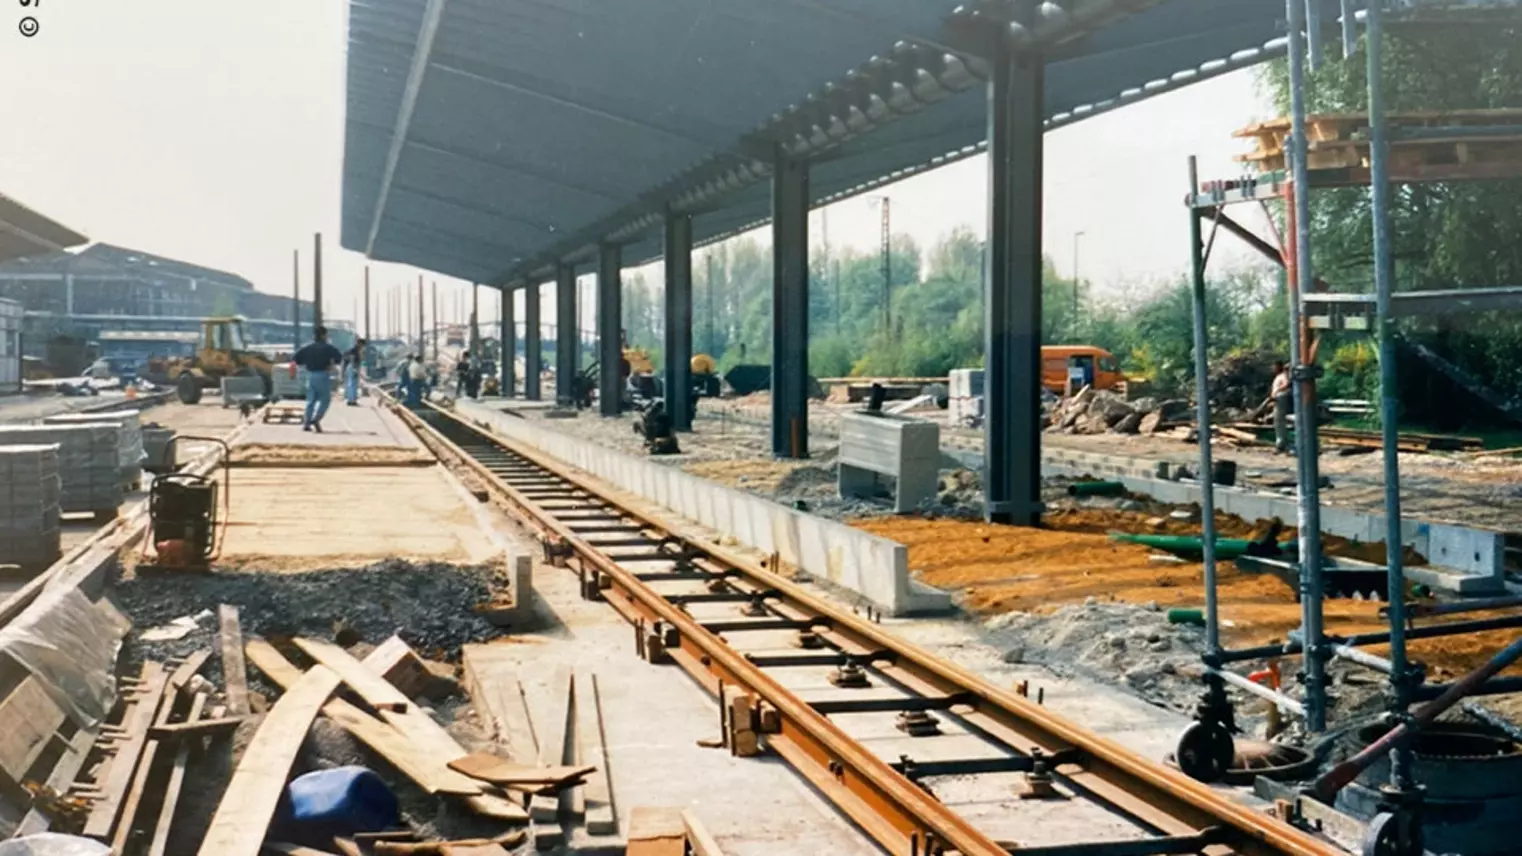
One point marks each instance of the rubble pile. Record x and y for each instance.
(1094, 411)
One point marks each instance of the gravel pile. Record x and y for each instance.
(1134, 646)
(428, 604)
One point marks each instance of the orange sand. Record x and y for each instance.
(1008, 568)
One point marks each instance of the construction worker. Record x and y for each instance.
(655, 427)
(462, 374)
(401, 376)
(417, 382)
(318, 357)
(352, 360)
(1282, 395)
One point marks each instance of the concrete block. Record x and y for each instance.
(1474, 552)
(903, 448)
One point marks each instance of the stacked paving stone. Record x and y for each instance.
(131, 452)
(89, 462)
(29, 506)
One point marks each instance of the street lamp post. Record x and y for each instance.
(1076, 236)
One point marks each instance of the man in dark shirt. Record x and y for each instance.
(318, 357)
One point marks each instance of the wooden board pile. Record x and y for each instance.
(125, 790)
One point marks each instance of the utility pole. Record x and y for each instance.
(317, 281)
(420, 328)
(435, 321)
(474, 337)
(367, 303)
(1074, 325)
(887, 250)
(296, 298)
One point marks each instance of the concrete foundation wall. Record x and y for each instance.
(873, 567)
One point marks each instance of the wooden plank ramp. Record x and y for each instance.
(248, 805)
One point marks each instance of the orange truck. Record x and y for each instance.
(1086, 364)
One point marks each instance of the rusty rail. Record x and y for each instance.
(897, 813)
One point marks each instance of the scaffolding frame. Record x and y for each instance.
(1313, 306)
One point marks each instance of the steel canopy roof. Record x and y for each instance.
(488, 139)
(24, 232)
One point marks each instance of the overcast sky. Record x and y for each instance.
(213, 132)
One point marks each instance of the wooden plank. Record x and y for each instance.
(119, 775)
(188, 669)
(429, 773)
(591, 741)
(176, 781)
(491, 680)
(544, 810)
(248, 805)
(656, 831)
(361, 677)
(177, 679)
(234, 670)
(703, 844)
(500, 771)
(196, 728)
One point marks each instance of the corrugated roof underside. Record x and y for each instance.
(536, 119)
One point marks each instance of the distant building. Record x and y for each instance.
(108, 288)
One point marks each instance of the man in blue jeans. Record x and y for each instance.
(317, 357)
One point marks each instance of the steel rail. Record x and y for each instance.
(894, 811)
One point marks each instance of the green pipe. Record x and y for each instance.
(1193, 617)
(1096, 488)
(1187, 546)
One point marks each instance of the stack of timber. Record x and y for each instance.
(1447, 144)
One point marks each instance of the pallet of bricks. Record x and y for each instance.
(89, 463)
(130, 450)
(30, 491)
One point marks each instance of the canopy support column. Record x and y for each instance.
(1012, 288)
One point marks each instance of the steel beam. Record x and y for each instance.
(533, 348)
(509, 343)
(610, 340)
(1012, 287)
(678, 354)
(567, 336)
(790, 307)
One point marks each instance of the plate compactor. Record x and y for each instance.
(183, 516)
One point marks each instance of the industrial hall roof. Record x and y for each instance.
(490, 139)
(24, 232)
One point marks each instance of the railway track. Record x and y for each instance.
(744, 633)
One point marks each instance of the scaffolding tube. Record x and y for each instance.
(1389, 391)
(1301, 281)
(1285, 703)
